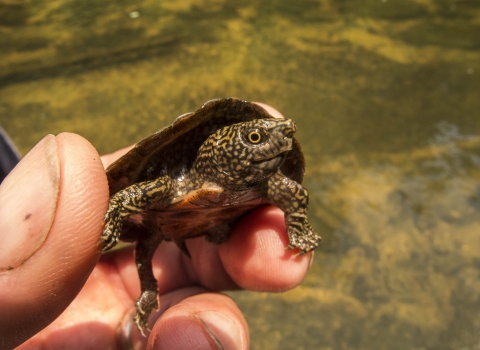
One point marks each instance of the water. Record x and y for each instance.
(385, 96)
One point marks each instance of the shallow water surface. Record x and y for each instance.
(385, 96)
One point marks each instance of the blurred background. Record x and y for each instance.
(385, 94)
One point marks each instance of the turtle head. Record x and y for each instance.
(244, 154)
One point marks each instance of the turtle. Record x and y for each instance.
(198, 176)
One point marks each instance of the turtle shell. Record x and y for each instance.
(172, 150)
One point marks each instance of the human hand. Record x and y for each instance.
(51, 213)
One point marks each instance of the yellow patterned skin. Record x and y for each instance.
(197, 177)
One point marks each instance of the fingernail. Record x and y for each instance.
(223, 331)
(311, 259)
(28, 199)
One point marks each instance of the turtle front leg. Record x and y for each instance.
(131, 200)
(292, 198)
(126, 202)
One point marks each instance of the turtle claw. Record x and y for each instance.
(145, 305)
(108, 239)
(141, 323)
(300, 233)
(111, 229)
(108, 244)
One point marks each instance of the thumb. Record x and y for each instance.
(51, 211)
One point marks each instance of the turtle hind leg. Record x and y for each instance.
(148, 301)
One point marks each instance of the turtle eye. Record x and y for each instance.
(254, 136)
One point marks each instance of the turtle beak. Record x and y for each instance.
(285, 126)
(289, 128)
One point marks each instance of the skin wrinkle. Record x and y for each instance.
(238, 327)
(209, 332)
(56, 177)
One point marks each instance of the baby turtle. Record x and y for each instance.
(197, 176)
